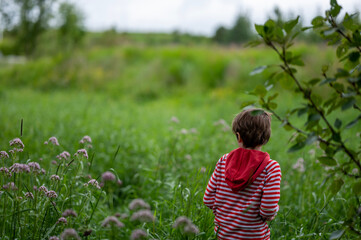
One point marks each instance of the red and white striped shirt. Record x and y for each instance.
(241, 215)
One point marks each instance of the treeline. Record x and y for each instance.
(26, 23)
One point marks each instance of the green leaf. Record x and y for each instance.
(258, 70)
(257, 112)
(328, 161)
(314, 81)
(341, 50)
(336, 186)
(353, 122)
(314, 117)
(289, 25)
(338, 123)
(335, 8)
(337, 234)
(247, 103)
(274, 96)
(356, 188)
(328, 80)
(297, 147)
(329, 32)
(349, 102)
(356, 37)
(354, 56)
(259, 29)
(260, 90)
(336, 137)
(302, 111)
(311, 138)
(253, 43)
(317, 21)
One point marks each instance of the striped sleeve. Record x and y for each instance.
(271, 191)
(210, 193)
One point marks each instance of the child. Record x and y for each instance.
(244, 189)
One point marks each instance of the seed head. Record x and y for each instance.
(111, 220)
(138, 234)
(10, 186)
(108, 176)
(138, 203)
(69, 233)
(43, 189)
(182, 220)
(54, 238)
(34, 166)
(186, 225)
(19, 168)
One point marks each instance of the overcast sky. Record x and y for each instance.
(192, 16)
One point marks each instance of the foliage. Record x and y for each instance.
(324, 114)
(28, 19)
(71, 26)
(239, 33)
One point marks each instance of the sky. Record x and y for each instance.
(193, 16)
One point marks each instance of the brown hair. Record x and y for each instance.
(253, 126)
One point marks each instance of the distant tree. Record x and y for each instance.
(221, 35)
(28, 19)
(71, 25)
(241, 31)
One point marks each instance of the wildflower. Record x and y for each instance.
(143, 216)
(120, 182)
(54, 141)
(46, 143)
(55, 177)
(108, 176)
(17, 144)
(29, 195)
(3, 155)
(19, 168)
(138, 203)
(191, 228)
(203, 170)
(111, 220)
(40, 159)
(354, 171)
(5, 171)
(85, 139)
(188, 157)
(64, 155)
(193, 130)
(10, 186)
(34, 166)
(43, 171)
(35, 188)
(93, 183)
(312, 152)
(182, 220)
(69, 212)
(174, 119)
(184, 131)
(117, 215)
(186, 225)
(43, 189)
(299, 165)
(220, 122)
(54, 162)
(62, 220)
(51, 194)
(54, 238)
(69, 233)
(82, 152)
(138, 234)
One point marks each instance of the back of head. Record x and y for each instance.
(254, 127)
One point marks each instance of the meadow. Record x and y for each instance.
(159, 119)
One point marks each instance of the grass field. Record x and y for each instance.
(154, 119)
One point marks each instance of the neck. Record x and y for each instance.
(258, 148)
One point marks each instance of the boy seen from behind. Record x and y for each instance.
(244, 189)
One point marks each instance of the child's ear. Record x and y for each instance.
(239, 139)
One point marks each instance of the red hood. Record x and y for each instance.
(243, 166)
